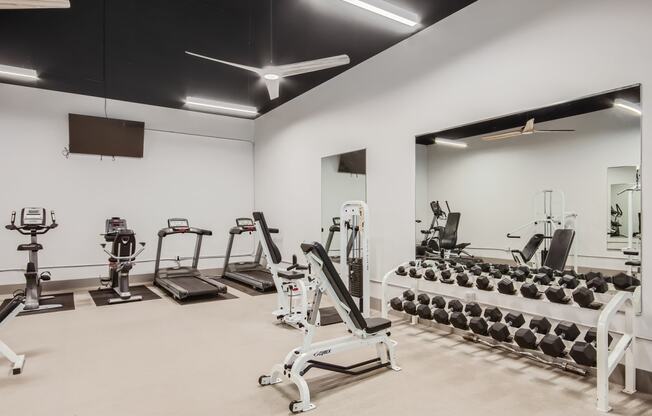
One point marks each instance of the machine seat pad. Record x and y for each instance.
(635, 263)
(30, 247)
(290, 275)
(376, 325)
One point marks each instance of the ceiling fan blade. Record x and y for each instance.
(35, 4)
(248, 68)
(310, 66)
(273, 87)
(501, 136)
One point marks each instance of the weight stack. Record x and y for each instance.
(355, 277)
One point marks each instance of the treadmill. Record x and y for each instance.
(251, 273)
(335, 228)
(184, 282)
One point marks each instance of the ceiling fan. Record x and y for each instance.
(34, 4)
(272, 74)
(523, 131)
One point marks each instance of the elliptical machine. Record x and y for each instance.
(33, 223)
(122, 257)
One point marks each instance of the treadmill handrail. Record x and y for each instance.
(190, 230)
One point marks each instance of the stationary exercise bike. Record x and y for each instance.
(122, 257)
(33, 223)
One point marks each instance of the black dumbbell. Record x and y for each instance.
(506, 286)
(411, 308)
(442, 266)
(584, 353)
(553, 344)
(476, 270)
(543, 279)
(584, 296)
(458, 317)
(478, 324)
(623, 281)
(445, 277)
(526, 338)
(483, 283)
(503, 268)
(519, 275)
(485, 267)
(530, 290)
(546, 270)
(413, 273)
(557, 294)
(500, 331)
(463, 280)
(424, 310)
(401, 271)
(429, 274)
(458, 269)
(397, 303)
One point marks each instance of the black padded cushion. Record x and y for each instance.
(531, 247)
(273, 249)
(448, 237)
(9, 308)
(560, 246)
(371, 326)
(30, 247)
(290, 274)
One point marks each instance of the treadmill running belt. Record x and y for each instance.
(187, 286)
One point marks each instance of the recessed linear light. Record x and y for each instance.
(221, 107)
(15, 72)
(629, 106)
(453, 143)
(388, 10)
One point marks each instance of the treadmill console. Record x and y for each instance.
(114, 224)
(178, 224)
(32, 217)
(245, 224)
(336, 220)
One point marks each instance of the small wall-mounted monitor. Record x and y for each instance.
(353, 162)
(105, 136)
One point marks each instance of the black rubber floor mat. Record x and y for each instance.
(67, 300)
(329, 316)
(203, 299)
(101, 296)
(243, 287)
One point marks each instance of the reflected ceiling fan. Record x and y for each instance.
(523, 131)
(272, 74)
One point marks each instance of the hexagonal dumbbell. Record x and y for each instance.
(583, 352)
(401, 271)
(557, 294)
(584, 296)
(506, 286)
(458, 317)
(445, 277)
(543, 279)
(553, 344)
(624, 281)
(429, 274)
(484, 283)
(422, 308)
(463, 280)
(398, 302)
(476, 270)
(526, 338)
(530, 290)
(413, 273)
(500, 331)
(479, 325)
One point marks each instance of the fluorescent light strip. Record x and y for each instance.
(453, 143)
(626, 105)
(388, 10)
(219, 105)
(14, 71)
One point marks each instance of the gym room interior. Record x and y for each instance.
(369, 207)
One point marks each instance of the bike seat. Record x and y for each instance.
(30, 247)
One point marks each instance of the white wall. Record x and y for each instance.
(337, 188)
(492, 58)
(492, 183)
(207, 180)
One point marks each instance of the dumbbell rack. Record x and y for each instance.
(607, 358)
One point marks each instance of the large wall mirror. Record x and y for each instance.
(500, 189)
(343, 178)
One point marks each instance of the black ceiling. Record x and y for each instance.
(582, 105)
(133, 50)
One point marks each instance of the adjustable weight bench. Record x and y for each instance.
(365, 332)
(560, 247)
(524, 256)
(7, 312)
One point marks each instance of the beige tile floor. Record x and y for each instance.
(160, 358)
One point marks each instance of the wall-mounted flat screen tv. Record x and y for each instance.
(105, 136)
(353, 162)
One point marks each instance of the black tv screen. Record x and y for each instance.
(353, 162)
(105, 136)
